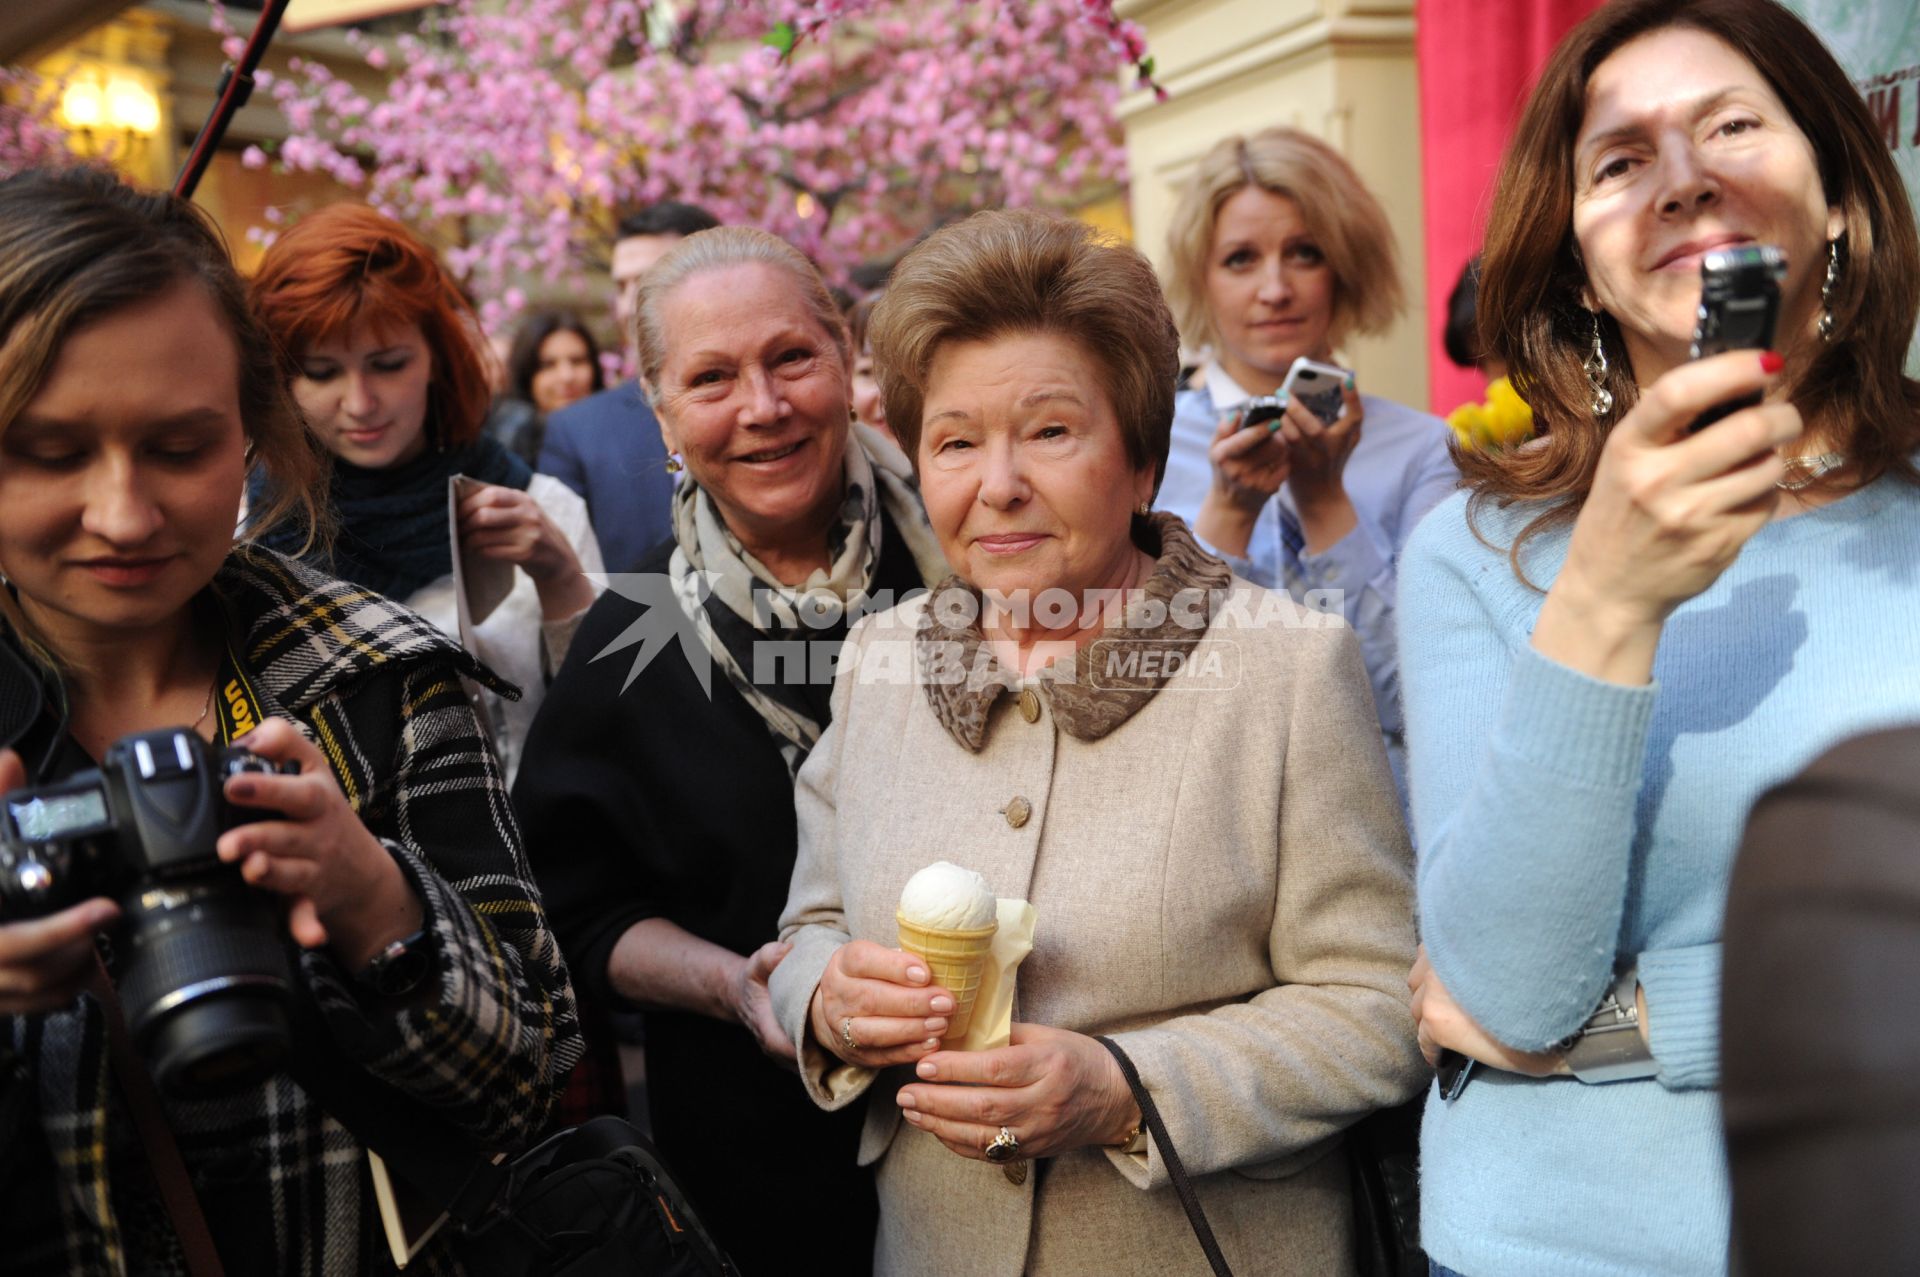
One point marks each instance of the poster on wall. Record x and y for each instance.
(1878, 42)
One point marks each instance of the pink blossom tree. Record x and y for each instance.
(29, 137)
(847, 126)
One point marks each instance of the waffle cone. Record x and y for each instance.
(956, 960)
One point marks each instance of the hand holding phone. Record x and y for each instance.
(1319, 386)
(1739, 309)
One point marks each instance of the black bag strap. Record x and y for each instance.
(170, 1173)
(1182, 1186)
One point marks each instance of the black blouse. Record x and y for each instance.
(664, 801)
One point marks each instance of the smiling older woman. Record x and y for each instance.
(658, 792)
(1633, 629)
(1219, 868)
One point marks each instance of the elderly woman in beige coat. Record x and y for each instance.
(1215, 855)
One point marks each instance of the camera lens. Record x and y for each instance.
(206, 983)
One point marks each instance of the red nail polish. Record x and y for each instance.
(1772, 361)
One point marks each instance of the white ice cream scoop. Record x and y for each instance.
(948, 897)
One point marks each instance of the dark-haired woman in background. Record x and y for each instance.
(553, 362)
(390, 379)
(1631, 629)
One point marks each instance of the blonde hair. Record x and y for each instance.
(1342, 214)
(717, 249)
(1021, 271)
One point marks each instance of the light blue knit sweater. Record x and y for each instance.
(1565, 824)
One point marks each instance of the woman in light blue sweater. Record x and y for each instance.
(1626, 631)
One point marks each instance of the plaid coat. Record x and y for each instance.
(284, 1185)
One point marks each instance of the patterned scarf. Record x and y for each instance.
(734, 602)
(1088, 697)
(392, 533)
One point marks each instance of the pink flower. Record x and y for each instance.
(529, 124)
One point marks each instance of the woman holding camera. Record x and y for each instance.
(140, 393)
(1279, 253)
(1633, 628)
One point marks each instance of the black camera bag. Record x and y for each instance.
(594, 1199)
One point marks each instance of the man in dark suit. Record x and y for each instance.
(607, 447)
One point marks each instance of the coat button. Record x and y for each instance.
(1017, 812)
(1029, 705)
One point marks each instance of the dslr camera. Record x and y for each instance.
(205, 977)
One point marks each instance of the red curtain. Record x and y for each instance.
(1478, 59)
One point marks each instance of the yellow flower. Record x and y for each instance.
(1504, 419)
(1469, 422)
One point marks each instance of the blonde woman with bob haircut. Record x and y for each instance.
(1279, 252)
(1628, 631)
(1234, 926)
(420, 981)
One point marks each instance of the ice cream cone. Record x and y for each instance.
(956, 960)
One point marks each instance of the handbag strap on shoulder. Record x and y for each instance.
(1163, 1142)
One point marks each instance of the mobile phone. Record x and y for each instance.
(1739, 307)
(1452, 1074)
(1319, 386)
(1263, 410)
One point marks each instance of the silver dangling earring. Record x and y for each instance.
(1826, 290)
(1596, 368)
(674, 464)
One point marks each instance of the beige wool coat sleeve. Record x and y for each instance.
(1222, 883)
(1290, 1067)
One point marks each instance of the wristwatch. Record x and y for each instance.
(1609, 1047)
(398, 969)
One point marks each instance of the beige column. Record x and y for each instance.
(1340, 69)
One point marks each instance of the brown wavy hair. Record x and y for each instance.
(346, 265)
(1853, 394)
(78, 244)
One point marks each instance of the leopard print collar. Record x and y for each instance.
(963, 681)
